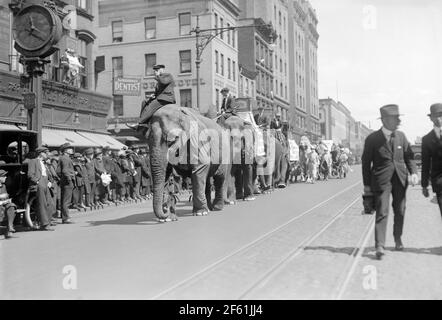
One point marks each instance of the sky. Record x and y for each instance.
(376, 52)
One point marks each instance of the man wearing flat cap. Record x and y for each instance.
(164, 94)
(386, 161)
(39, 183)
(67, 180)
(432, 156)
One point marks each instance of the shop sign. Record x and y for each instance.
(127, 86)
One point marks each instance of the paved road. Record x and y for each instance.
(297, 243)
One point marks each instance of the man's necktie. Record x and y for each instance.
(392, 141)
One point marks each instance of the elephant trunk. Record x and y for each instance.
(158, 163)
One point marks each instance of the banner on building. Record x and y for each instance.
(127, 86)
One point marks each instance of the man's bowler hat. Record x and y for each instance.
(435, 109)
(225, 90)
(159, 66)
(390, 110)
(89, 151)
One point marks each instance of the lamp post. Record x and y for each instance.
(204, 36)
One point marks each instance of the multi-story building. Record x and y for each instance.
(337, 124)
(256, 56)
(75, 114)
(266, 51)
(246, 83)
(135, 35)
(303, 46)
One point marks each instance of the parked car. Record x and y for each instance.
(16, 146)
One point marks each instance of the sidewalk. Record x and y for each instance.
(415, 273)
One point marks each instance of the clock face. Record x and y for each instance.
(33, 27)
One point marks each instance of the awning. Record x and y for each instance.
(4, 126)
(127, 138)
(103, 140)
(55, 138)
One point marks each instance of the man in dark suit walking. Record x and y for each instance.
(432, 156)
(38, 179)
(386, 161)
(67, 181)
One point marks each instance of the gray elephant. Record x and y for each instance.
(191, 144)
(239, 176)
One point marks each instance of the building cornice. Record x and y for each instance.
(230, 6)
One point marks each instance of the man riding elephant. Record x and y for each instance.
(164, 94)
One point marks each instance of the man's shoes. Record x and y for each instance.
(46, 228)
(68, 222)
(380, 253)
(132, 126)
(399, 245)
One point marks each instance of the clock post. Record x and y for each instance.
(33, 101)
(37, 29)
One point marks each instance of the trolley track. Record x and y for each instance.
(332, 280)
(260, 258)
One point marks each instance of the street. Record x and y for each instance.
(308, 241)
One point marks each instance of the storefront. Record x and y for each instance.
(70, 114)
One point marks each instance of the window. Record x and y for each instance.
(216, 61)
(117, 67)
(151, 60)
(229, 63)
(228, 33)
(221, 25)
(234, 70)
(54, 71)
(150, 27)
(280, 42)
(185, 61)
(118, 106)
(186, 98)
(233, 38)
(83, 4)
(280, 65)
(184, 19)
(82, 57)
(216, 21)
(117, 31)
(280, 18)
(217, 98)
(281, 90)
(222, 64)
(276, 86)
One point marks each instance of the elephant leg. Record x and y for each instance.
(231, 191)
(238, 176)
(218, 182)
(209, 193)
(248, 180)
(199, 179)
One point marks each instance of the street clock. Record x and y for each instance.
(36, 31)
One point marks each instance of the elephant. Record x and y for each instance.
(275, 171)
(182, 139)
(239, 183)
